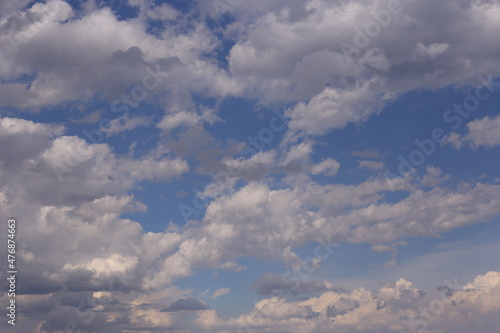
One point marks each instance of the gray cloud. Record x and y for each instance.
(188, 304)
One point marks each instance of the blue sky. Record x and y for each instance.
(251, 166)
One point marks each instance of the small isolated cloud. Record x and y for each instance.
(383, 248)
(328, 167)
(400, 243)
(271, 284)
(366, 153)
(232, 267)
(373, 165)
(187, 304)
(219, 292)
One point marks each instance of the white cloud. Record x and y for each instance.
(394, 307)
(373, 165)
(123, 124)
(220, 292)
(184, 118)
(482, 132)
(72, 195)
(434, 50)
(293, 54)
(328, 167)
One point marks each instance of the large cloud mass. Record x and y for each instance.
(87, 264)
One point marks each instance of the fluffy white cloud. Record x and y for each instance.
(70, 197)
(183, 118)
(395, 307)
(104, 57)
(259, 221)
(328, 167)
(482, 132)
(298, 53)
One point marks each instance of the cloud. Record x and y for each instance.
(187, 304)
(107, 59)
(273, 284)
(232, 267)
(327, 167)
(84, 255)
(366, 154)
(433, 51)
(480, 133)
(373, 165)
(123, 124)
(383, 248)
(220, 292)
(394, 307)
(94, 189)
(270, 222)
(295, 54)
(184, 118)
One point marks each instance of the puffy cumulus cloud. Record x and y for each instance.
(106, 57)
(93, 249)
(481, 293)
(66, 168)
(83, 261)
(356, 311)
(395, 307)
(474, 306)
(187, 119)
(334, 109)
(256, 220)
(20, 140)
(293, 160)
(298, 153)
(256, 167)
(343, 61)
(76, 237)
(480, 133)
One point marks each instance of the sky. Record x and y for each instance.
(301, 166)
